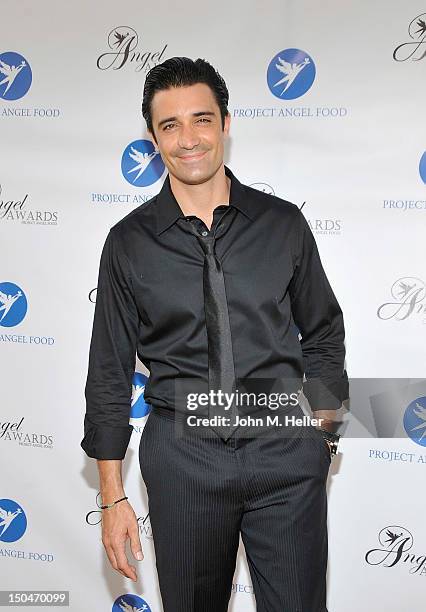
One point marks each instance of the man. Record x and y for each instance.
(209, 279)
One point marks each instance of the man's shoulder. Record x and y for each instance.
(262, 201)
(142, 215)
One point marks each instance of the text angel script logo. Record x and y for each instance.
(124, 49)
(415, 48)
(395, 542)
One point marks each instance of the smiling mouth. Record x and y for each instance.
(194, 157)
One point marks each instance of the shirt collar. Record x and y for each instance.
(168, 209)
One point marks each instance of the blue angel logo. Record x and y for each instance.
(290, 74)
(13, 521)
(291, 71)
(6, 519)
(7, 302)
(415, 420)
(141, 164)
(130, 603)
(421, 413)
(142, 160)
(422, 167)
(11, 73)
(15, 76)
(138, 407)
(13, 304)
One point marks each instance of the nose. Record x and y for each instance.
(188, 137)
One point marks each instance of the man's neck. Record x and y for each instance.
(200, 200)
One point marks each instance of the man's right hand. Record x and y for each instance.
(118, 524)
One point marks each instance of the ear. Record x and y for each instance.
(151, 136)
(227, 124)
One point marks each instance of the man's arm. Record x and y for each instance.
(319, 318)
(107, 431)
(112, 357)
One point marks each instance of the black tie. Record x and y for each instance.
(220, 356)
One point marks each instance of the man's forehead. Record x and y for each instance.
(183, 101)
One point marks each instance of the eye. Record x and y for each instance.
(168, 125)
(204, 119)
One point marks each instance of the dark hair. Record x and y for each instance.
(182, 72)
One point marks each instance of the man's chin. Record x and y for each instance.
(195, 176)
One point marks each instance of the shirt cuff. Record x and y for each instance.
(105, 441)
(326, 392)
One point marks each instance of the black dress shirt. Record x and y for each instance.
(150, 302)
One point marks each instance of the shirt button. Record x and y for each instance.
(204, 233)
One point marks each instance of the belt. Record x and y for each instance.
(168, 413)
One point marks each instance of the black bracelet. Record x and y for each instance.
(329, 435)
(332, 438)
(113, 503)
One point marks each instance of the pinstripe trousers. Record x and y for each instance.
(204, 492)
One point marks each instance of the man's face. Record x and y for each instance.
(188, 129)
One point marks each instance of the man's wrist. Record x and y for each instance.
(328, 420)
(110, 495)
(112, 504)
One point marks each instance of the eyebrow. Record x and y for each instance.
(197, 114)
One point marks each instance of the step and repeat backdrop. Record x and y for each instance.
(327, 107)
